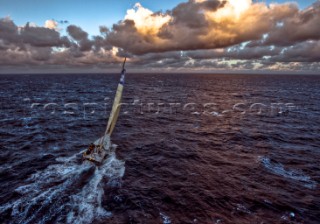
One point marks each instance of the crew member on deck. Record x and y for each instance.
(90, 149)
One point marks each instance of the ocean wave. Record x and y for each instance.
(296, 175)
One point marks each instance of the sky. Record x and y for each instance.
(160, 36)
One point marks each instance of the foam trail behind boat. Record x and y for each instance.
(67, 192)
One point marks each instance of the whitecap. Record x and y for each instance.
(296, 175)
(165, 219)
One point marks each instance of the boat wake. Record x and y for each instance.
(68, 192)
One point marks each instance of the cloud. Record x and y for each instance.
(40, 53)
(198, 24)
(198, 35)
(40, 36)
(145, 20)
(51, 24)
(81, 37)
(8, 31)
(301, 26)
(38, 46)
(301, 52)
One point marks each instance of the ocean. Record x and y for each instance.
(191, 148)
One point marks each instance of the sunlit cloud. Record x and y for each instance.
(201, 35)
(199, 24)
(145, 20)
(51, 24)
(233, 9)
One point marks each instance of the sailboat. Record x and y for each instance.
(98, 150)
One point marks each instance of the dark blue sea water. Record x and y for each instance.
(191, 148)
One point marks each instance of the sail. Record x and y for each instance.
(116, 104)
(98, 150)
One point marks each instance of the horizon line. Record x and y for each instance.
(160, 73)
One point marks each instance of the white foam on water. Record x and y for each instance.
(296, 175)
(88, 201)
(70, 186)
(216, 114)
(165, 219)
(242, 208)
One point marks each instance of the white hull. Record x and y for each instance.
(102, 148)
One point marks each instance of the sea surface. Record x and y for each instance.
(191, 148)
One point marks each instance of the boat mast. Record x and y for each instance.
(117, 102)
